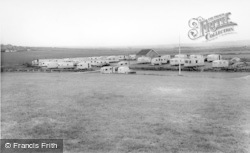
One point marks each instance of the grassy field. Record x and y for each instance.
(130, 113)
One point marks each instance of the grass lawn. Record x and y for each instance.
(129, 113)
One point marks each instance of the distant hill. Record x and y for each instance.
(11, 48)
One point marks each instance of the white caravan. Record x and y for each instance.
(213, 57)
(94, 58)
(83, 65)
(121, 57)
(34, 62)
(52, 65)
(143, 60)
(123, 63)
(156, 61)
(196, 56)
(113, 59)
(109, 69)
(66, 65)
(220, 63)
(93, 62)
(177, 61)
(132, 57)
(165, 59)
(58, 60)
(124, 70)
(101, 63)
(194, 62)
(43, 63)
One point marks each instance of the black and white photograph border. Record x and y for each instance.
(119, 76)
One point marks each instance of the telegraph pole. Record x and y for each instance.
(179, 57)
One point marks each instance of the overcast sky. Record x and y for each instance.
(113, 22)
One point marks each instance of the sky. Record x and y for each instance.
(97, 23)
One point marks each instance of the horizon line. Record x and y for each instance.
(138, 46)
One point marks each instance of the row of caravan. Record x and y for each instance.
(66, 65)
(198, 62)
(183, 59)
(80, 65)
(178, 59)
(95, 61)
(194, 62)
(209, 58)
(71, 65)
(191, 62)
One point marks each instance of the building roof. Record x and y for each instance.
(145, 51)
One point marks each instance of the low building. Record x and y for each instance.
(147, 53)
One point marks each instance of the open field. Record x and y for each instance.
(130, 113)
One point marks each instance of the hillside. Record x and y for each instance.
(12, 48)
